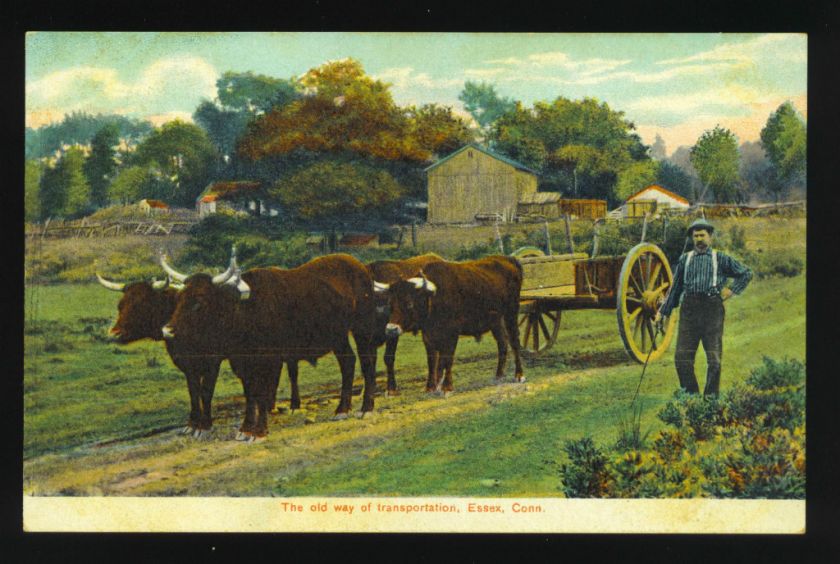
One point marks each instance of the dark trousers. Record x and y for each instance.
(701, 320)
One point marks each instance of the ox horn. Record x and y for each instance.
(174, 274)
(422, 283)
(160, 284)
(231, 270)
(116, 286)
(380, 288)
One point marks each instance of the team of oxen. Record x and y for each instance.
(263, 318)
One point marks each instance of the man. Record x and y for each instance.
(700, 285)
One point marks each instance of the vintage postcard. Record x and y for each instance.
(415, 282)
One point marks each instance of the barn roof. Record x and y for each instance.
(659, 188)
(230, 190)
(155, 203)
(541, 198)
(515, 164)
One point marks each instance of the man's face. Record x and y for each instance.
(702, 239)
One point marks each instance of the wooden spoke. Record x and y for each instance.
(539, 319)
(645, 269)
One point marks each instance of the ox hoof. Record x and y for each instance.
(188, 430)
(243, 436)
(339, 417)
(520, 379)
(392, 393)
(364, 414)
(254, 439)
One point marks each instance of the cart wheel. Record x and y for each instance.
(643, 284)
(538, 327)
(527, 252)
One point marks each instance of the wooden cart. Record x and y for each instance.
(633, 286)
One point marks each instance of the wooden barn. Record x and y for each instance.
(238, 196)
(474, 181)
(653, 200)
(153, 206)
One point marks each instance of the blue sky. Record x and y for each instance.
(674, 85)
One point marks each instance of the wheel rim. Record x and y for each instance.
(644, 282)
(527, 252)
(538, 328)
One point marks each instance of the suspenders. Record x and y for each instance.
(688, 258)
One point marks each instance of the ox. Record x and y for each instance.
(266, 316)
(142, 311)
(447, 300)
(388, 272)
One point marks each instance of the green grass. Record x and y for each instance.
(99, 418)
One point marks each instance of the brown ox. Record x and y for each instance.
(260, 318)
(450, 299)
(142, 311)
(389, 272)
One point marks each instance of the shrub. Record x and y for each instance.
(785, 264)
(750, 443)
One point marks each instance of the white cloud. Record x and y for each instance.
(406, 78)
(164, 84)
(744, 51)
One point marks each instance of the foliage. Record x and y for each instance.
(784, 139)
(658, 150)
(133, 183)
(31, 190)
(80, 128)
(484, 104)
(675, 179)
(750, 443)
(785, 264)
(344, 110)
(634, 177)
(64, 191)
(715, 157)
(437, 130)
(756, 171)
(101, 163)
(184, 154)
(330, 189)
(572, 144)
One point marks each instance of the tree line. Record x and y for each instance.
(333, 146)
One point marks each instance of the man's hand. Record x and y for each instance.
(725, 294)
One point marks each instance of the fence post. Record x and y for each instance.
(644, 227)
(547, 240)
(595, 237)
(414, 235)
(499, 236)
(569, 233)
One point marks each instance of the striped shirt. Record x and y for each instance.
(702, 278)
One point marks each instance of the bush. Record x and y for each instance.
(785, 264)
(750, 443)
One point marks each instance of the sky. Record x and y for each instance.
(673, 85)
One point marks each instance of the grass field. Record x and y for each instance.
(100, 419)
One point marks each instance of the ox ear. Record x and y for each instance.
(380, 288)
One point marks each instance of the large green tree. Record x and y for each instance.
(64, 191)
(784, 139)
(634, 177)
(101, 163)
(333, 190)
(675, 179)
(78, 128)
(484, 104)
(184, 155)
(715, 157)
(31, 190)
(577, 146)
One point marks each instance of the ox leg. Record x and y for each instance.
(208, 388)
(194, 387)
(367, 358)
(390, 357)
(498, 331)
(275, 383)
(347, 363)
(246, 430)
(433, 363)
(447, 360)
(294, 402)
(512, 330)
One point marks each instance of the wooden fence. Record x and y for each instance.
(84, 229)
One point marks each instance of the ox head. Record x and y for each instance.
(408, 301)
(206, 303)
(142, 310)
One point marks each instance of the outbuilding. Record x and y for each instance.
(153, 206)
(653, 200)
(474, 181)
